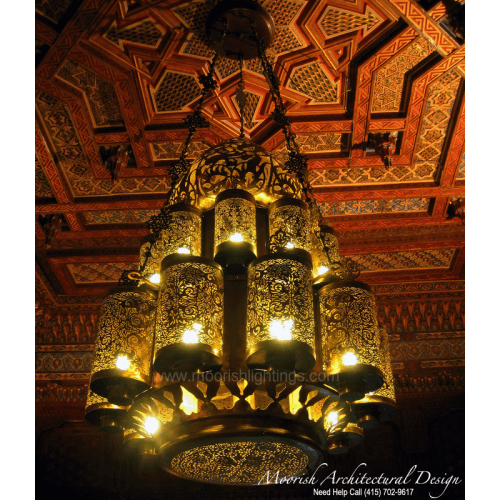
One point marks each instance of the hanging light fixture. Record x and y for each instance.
(121, 367)
(190, 314)
(251, 287)
(352, 353)
(235, 230)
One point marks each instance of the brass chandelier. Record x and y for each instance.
(243, 345)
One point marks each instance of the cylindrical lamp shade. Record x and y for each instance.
(151, 271)
(235, 227)
(352, 355)
(190, 315)
(289, 225)
(124, 344)
(280, 314)
(183, 234)
(99, 411)
(379, 405)
(325, 250)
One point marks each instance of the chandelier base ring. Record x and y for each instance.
(202, 449)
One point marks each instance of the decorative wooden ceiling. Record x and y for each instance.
(125, 73)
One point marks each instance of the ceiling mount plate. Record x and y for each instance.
(240, 39)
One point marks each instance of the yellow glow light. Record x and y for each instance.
(323, 269)
(189, 402)
(155, 278)
(281, 330)
(290, 245)
(184, 250)
(349, 359)
(191, 336)
(236, 237)
(122, 362)
(151, 425)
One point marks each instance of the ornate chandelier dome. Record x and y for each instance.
(235, 164)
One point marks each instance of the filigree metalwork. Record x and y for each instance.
(291, 218)
(183, 231)
(191, 294)
(235, 216)
(235, 163)
(348, 321)
(151, 254)
(387, 390)
(126, 327)
(241, 97)
(258, 404)
(279, 289)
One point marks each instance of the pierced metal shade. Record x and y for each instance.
(325, 252)
(352, 355)
(190, 315)
(235, 228)
(124, 344)
(183, 234)
(380, 405)
(280, 317)
(289, 225)
(151, 271)
(99, 411)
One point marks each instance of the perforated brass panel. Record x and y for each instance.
(387, 390)
(289, 221)
(153, 263)
(348, 317)
(184, 230)
(191, 294)
(241, 462)
(126, 327)
(279, 288)
(246, 165)
(235, 215)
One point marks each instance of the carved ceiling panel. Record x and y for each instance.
(112, 74)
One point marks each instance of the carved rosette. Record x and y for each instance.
(126, 328)
(190, 300)
(280, 289)
(290, 217)
(184, 230)
(349, 322)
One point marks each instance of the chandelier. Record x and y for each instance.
(243, 345)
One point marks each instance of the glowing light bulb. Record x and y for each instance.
(349, 359)
(281, 330)
(183, 250)
(290, 244)
(151, 425)
(370, 394)
(323, 269)
(236, 237)
(122, 362)
(191, 336)
(332, 418)
(155, 278)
